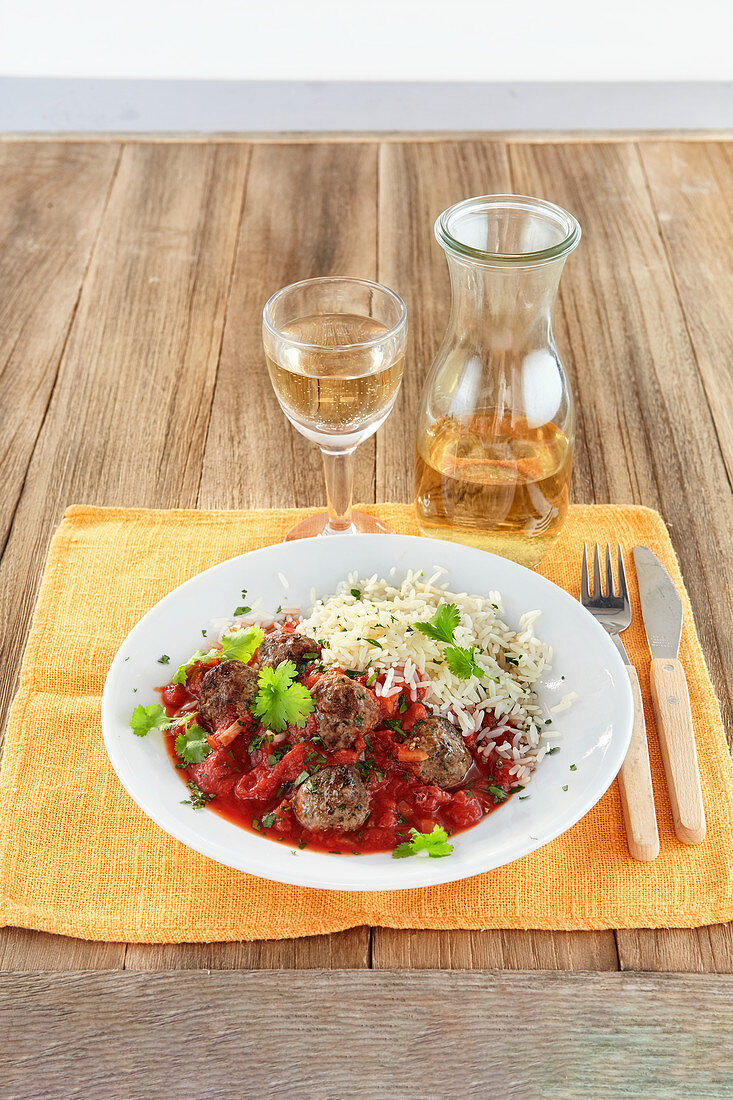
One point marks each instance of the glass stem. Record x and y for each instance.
(338, 467)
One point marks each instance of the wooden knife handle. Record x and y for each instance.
(635, 784)
(677, 741)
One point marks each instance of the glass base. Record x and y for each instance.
(361, 524)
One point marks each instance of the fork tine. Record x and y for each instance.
(584, 589)
(610, 590)
(596, 574)
(624, 592)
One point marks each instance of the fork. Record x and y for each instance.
(613, 612)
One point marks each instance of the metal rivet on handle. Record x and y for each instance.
(668, 668)
(672, 699)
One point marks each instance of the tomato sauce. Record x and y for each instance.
(251, 779)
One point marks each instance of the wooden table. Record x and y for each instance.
(132, 277)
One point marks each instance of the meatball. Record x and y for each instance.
(448, 760)
(333, 798)
(282, 645)
(225, 691)
(344, 709)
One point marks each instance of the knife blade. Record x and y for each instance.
(661, 610)
(661, 606)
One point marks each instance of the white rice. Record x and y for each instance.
(386, 612)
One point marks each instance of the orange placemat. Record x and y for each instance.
(78, 857)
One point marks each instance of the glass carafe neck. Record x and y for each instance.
(508, 307)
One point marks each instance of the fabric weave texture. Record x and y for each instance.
(78, 857)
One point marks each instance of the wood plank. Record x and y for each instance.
(691, 188)
(646, 433)
(366, 1034)
(23, 949)
(52, 197)
(337, 951)
(309, 211)
(507, 950)
(137, 376)
(700, 950)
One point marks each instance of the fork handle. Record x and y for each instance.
(677, 742)
(635, 784)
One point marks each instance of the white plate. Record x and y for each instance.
(596, 729)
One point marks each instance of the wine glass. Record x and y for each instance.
(335, 351)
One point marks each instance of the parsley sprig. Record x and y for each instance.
(434, 843)
(441, 628)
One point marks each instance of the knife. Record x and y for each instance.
(661, 609)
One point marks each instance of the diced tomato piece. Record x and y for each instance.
(464, 810)
(175, 696)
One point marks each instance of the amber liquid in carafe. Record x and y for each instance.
(495, 483)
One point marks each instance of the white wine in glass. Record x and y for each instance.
(335, 351)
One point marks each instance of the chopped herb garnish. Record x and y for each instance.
(573, 767)
(164, 659)
(203, 633)
(301, 845)
(555, 748)
(373, 678)
(351, 673)
(198, 798)
(268, 820)
(565, 787)
(301, 779)
(242, 611)
(403, 703)
(434, 843)
(393, 724)
(523, 797)
(374, 642)
(356, 593)
(256, 825)
(497, 793)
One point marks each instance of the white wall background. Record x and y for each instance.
(370, 40)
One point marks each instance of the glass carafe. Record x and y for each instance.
(495, 425)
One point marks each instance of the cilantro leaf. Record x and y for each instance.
(241, 610)
(242, 644)
(181, 673)
(280, 701)
(191, 744)
(442, 625)
(461, 662)
(435, 844)
(144, 719)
